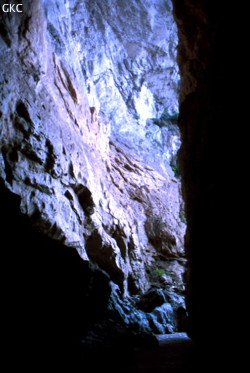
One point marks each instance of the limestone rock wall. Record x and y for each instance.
(81, 91)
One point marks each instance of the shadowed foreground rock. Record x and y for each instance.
(176, 353)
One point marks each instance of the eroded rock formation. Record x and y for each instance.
(89, 139)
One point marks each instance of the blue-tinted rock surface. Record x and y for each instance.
(88, 112)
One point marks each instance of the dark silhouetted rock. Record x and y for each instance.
(151, 299)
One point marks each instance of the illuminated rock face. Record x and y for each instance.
(126, 53)
(128, 59)
(82, 87)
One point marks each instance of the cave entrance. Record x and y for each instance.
(92, 159)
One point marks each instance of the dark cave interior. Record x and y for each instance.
(50, 295)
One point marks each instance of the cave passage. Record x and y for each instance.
(92, 214)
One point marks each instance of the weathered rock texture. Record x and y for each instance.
(88, 133)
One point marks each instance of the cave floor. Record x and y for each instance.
(175, 354)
